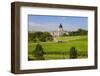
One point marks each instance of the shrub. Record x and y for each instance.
(73, 53)
(38, 52)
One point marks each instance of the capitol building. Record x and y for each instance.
(59, 32)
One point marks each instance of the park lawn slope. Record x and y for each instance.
(57, 50)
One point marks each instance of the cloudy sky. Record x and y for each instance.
(51, 23)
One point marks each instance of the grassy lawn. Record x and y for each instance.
(79, 42)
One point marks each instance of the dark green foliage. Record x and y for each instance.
(39, 36)
(73, 53)
(47, 36)
(38, 52)
(82, 32)
(79, 32)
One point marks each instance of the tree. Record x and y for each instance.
(73, 53)
(40, 36)
(38, 52)
(47, 36)
(82, 32)
(79, 32)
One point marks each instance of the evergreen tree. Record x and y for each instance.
(73, 53)
(38, 52)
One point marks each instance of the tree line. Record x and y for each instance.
(46, 36)
(39, 36)
(79, 32)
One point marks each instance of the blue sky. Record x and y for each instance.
(51, 23)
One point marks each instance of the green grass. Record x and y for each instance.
(79, 42)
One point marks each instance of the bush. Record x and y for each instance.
(73, 53)
(38, 52)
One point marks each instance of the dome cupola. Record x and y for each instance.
(60, 26)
